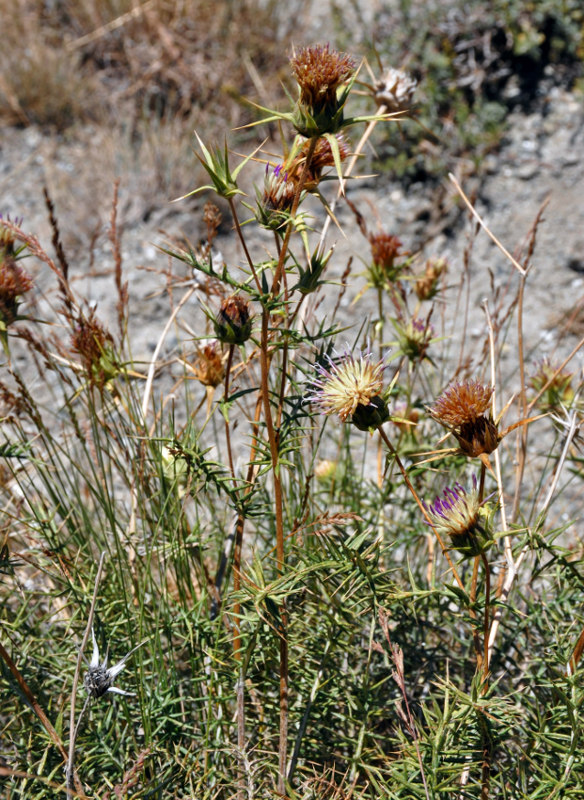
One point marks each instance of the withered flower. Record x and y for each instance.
(209, 369)
(14, 282)
(99, 678)
(461, 409)
(233, 321)
(322, 157)
(95, 347)
(386, 265)
(426, 285)
(395, 91)
(319, 72)
(558, 389)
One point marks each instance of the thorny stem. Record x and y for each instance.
(244, 244)
(265, 361)
(273, 442)
(240, 688)
(408, 483)
(226, 397)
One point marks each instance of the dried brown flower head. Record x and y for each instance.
(209, 369)
(426, 285)
(319, 72)
(387, 263)
(385, 248)
(461, 408)
(395, 91)
(322, 157)
(14, 282)
(94, 345)
(556, 385)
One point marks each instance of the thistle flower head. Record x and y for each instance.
(352, 388)
(319, 72)
(14, 282)
(275, 203)
(386, 265)
(209, 369)
(233, 320)
(322, 157)
(461, 408)
(94, 345)
(456, 515)
(559, 391)
(395, 91)
(99, 678)
(462, 402)
(414, 338)
(427, 284)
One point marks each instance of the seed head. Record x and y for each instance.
(461, 408)
(209, 369)
(351, 388)
(456, 515)
(395, 91)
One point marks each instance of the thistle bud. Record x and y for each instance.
(233, 321)
(95, 347)
(414, 338)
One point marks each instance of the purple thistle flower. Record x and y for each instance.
(456, 515)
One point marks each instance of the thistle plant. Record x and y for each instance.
(323, 601)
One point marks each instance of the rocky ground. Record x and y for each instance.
(539, 160)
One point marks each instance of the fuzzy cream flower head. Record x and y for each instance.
(352, 388)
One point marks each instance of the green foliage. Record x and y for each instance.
(475, 62)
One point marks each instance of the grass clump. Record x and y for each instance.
(310, 596)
